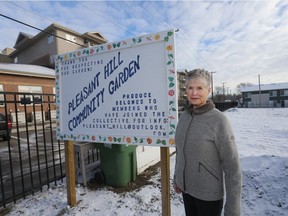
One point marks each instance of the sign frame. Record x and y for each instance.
(166, 40)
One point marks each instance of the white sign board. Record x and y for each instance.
(122, 92)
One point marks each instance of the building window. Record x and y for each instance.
(70, 38)
(247, 95)
(54, 92)
(284, 92)
(50, 39)
(274, 103)
(273, 93)
(27, 98)
(1, 96)
(52, 59)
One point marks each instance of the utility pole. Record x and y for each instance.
(260, 105)
(223, 91)
(212, 83)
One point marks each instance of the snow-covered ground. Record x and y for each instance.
(262, 140)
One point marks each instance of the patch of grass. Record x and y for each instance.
(5, 211)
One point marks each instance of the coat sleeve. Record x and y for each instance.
(226, 144)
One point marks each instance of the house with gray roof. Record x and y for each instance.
(265, 95)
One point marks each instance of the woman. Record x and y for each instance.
(206, 154)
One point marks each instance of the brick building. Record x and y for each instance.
(20, 80)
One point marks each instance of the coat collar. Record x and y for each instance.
(209, 105)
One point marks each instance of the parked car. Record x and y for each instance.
(5, 127)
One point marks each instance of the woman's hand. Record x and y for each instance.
(176, 188)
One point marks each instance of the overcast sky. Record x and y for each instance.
(238, 39)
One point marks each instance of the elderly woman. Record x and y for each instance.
(206, 154)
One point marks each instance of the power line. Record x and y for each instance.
(93, 11)
(29, 11)
(184, 39)
(41, 30)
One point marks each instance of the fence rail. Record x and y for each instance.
(33, 157)
(222, 106)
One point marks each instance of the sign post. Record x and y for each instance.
(120, 93)
(70, 173)
(165, 181)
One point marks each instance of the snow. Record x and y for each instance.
(33, 70)
(264, 87)
(262, 140)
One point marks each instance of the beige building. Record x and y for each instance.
(55, 39)
(181, 78)
(4, 55)
(33, 57)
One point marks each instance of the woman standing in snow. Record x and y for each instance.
(206, 154)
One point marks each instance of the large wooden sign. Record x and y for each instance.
(122, 92)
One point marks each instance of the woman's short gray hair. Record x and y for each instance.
(198, 74)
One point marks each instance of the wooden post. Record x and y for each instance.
(165, 181)
(70, 173)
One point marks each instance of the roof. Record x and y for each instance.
(95, 36)
(24, 40)
(264, 87)
(26, 70)
(22, 37)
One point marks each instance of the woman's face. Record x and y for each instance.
(197, 92)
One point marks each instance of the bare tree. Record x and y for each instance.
(218, 93)
(243, 84)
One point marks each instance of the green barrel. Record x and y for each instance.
(118, 163)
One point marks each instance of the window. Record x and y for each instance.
(247, 95)
(27, 98)
(273, 93)
(54, 92)
(70, 38)
(50, 39)
(52, 59)
(284, 92)
(1, 95)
